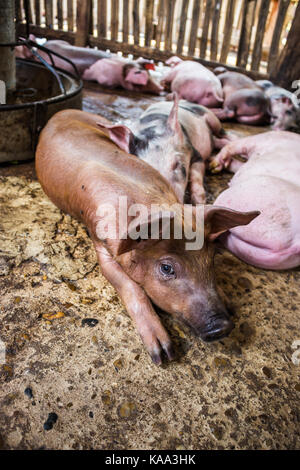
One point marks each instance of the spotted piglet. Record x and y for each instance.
(176, 138)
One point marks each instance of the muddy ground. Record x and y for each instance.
(71, 349)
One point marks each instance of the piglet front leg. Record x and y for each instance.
(197, 190)
(223, 159)
(138, 305)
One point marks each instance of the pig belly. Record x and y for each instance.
(272, 240)
(82, 57)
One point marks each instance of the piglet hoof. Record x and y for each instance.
(156, 345)
(156, 355)
(220, 161)
(157, 351)
(215, 165)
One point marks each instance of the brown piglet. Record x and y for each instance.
(81, 169)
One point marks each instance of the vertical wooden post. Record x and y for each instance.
(70, 15)
(125, 24)
(60, 18)
(287, 69)
(114, 24)
(102, 22)
(246, 30)
(83, 23)
(30, 17)
(91, 22)
(7, 34)
(257, 48)
(282, 10)
(149, 22)
(205, 27)
(182, 26)
(19, 12)
(194, 27)
(215, 30)
(37, 10)
(136, 21)
(228, 31)
(169, 25)
(161, 17)
(49, 13)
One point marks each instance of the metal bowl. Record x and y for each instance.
(37, 97)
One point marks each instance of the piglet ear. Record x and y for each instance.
(220, 219)
(173, 61)
(137, 76)
(119, 134)
(139, 232)
(173, 123)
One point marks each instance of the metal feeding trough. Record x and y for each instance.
(41, 91)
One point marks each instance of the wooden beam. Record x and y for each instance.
(114, 25)
(101, 19)
(49, 13)
(215, 30)
(29, 12)
(19, 12)
(228, 31)
(204, 36)
(125, 25)
(287, 69)
(246, 30)
(260, 32)
(169, 25)
(37, 10)
(194, 27)
(273, 55)
(60, 18)
(91, 22)
(70, 11)
(83, 23)
(182, 26)
(149, 22)
(136, 21)
(160, 24)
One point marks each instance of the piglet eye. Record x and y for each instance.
(167, 269)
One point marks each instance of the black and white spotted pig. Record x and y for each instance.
(176, 139)
(284, 107)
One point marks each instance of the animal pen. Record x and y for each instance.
(74, 374)
(259, 36)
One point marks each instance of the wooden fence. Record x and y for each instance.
(247, 34)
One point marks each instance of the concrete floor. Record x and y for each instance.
(240, 393)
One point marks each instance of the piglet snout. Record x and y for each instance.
(218, 326)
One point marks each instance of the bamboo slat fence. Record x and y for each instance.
(241, 34)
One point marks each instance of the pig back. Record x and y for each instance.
(80, 168)
(82, 57)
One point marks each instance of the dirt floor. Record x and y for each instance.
(73, 356)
